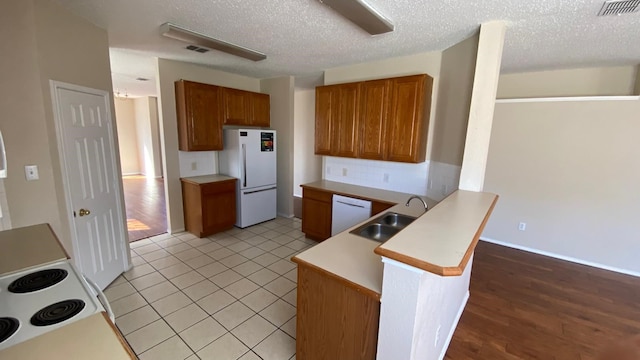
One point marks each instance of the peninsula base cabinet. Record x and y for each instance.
(334, 320)
(209, 208)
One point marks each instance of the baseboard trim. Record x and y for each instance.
(562, 257)
(453, 328)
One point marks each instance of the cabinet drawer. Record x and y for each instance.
(317, 195)
(218, 187)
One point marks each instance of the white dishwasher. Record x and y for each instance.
(347, 212)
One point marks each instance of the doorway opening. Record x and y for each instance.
(145, 205)
(141, 165)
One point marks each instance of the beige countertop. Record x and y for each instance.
(90, 338)
(204, 179)
(443, 240)
(29, 246)
(352, 258)
(439, 241)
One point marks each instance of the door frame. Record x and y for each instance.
(54, 85)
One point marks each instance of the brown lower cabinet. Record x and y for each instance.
(209, 208)
(334, 319)
(316, 213)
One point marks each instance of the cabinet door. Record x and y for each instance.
(326, 113)
(406, 126)
(199, 116)
(373, 118)
(260, 107)
(345, 132)
(237, 106)
(316, 219)
(218, 206)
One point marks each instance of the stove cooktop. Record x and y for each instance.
(42, 299)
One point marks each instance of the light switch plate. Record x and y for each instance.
(31, 172)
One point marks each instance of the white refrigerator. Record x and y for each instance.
(250, 156)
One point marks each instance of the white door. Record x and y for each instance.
(86, 140)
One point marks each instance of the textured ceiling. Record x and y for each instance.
(304, 37)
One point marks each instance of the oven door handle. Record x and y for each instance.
(101, 297)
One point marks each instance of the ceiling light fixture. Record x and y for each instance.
(361, 14)
(175, 32)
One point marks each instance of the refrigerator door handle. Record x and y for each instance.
(257, 191)
(244, 165)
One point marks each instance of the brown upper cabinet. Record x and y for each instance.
(383, 119)
(203, 109)
(338, 108)
(199, 116)
(245, 108)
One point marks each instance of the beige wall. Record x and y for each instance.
(569, 170)
(637, 87)
(40, 41)
(147, 129)
(454, 98)
(281, 96)
(127, 136)
(569, 82)
(170, 71)
(307, 167)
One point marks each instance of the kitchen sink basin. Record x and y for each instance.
(378, 232)
(383, 227)
(396, 220)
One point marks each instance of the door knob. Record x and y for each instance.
(84, 212)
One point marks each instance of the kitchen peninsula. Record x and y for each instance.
(347, 310)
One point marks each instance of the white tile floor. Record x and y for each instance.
(229, 296)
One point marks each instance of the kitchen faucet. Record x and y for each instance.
(419, 198)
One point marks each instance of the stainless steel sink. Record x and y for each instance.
(378, 232)
(383, 227)
(396, 220)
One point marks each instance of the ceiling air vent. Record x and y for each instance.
(197, 49)
(619, 7)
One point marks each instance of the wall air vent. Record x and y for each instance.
(197, 49)
(619, 7)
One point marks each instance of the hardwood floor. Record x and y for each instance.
(528, 306)
(145, 204)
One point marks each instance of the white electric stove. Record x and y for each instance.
(45, 298)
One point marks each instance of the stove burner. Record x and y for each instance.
(8, 326)
(37, 280)
(58, 312)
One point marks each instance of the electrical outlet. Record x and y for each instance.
(194, 165)
(435, 342)
(31, 172)
(385, 178)
(344, 171)
(522, 226)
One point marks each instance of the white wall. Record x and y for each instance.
(170, 71)
(147, 128)
(282, 120)
(569, 170)
(307, 167)
(127, 136)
